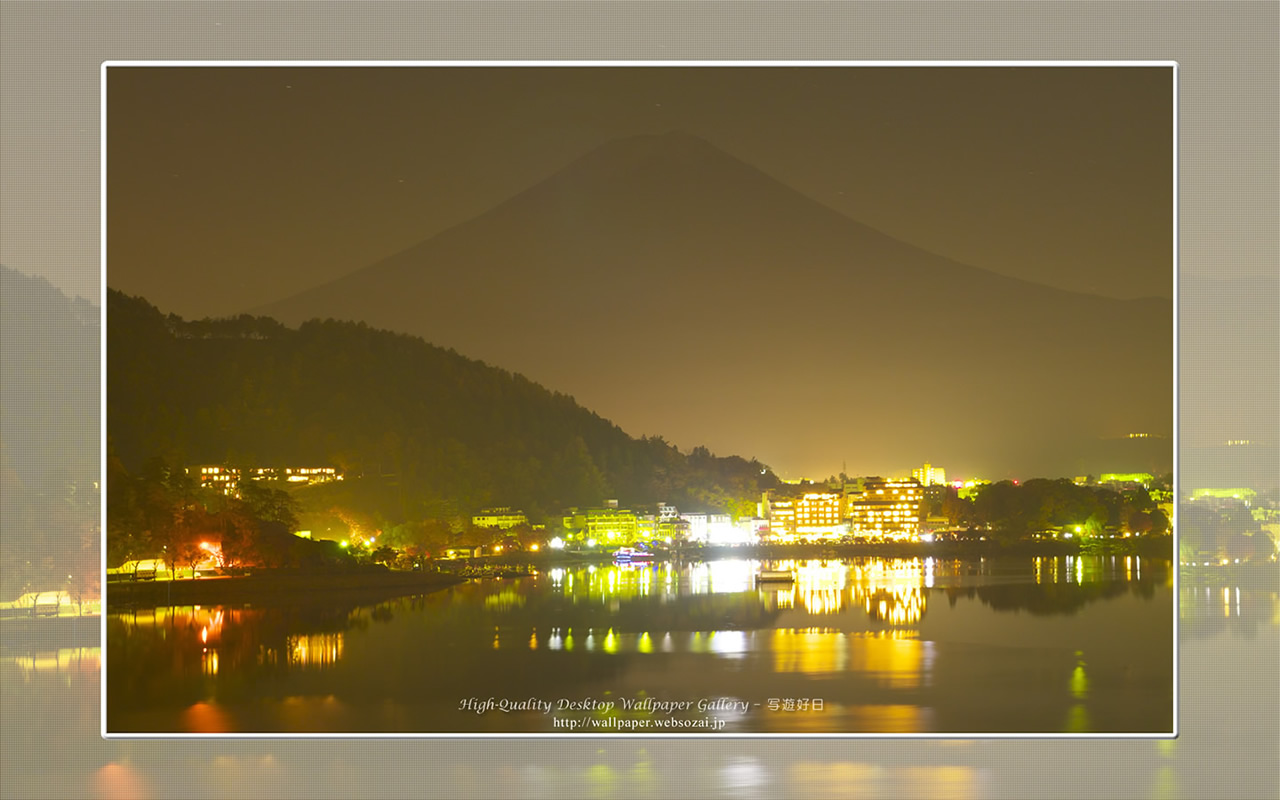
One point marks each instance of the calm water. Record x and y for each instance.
(854, 645)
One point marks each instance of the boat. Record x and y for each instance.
(630, 555)
(775, 576)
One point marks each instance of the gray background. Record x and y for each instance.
(1230, 126)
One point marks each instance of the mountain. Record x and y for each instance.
(49, 437)
(49, 382)
(437, 435)
(674, 288)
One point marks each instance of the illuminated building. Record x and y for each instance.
(500, 518)
(1225, 497)
(221, 479)
(818, 513)
(697, 526)
(717, 529)
(1120, 478)
(967, 490)
(781, 514)
(227, 479)
(610, 525)
(929, 475)
(886, 507)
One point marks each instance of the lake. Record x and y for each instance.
(856, 645)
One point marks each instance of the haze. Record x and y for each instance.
(728, 284)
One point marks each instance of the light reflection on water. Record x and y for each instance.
(870, 640)
(1228, 673)
(59, 661)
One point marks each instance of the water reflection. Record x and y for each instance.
(1222, 678)
(315, 650)
(60, 661)
(1209, 608)
(859, 635)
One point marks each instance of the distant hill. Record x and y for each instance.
(50, 439)
(675, 288)
(444, 431)
(49, 382)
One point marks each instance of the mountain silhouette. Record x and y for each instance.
(436, 434)
(677, 290)
(49, 383)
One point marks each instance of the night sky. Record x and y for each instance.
(233, 188)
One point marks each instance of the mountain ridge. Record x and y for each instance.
(454, 434)
(49, 380)
(647, 147)
(665, 256)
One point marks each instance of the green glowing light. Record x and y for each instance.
(1079, 683)
(1078, 719)
(1143, 478)
(1225, 494)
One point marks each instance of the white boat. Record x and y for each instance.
(630, 555)
(775, 576)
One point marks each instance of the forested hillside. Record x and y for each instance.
(419, 431)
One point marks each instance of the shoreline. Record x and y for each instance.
(274, 587)
(1150, 548)
(292, 586)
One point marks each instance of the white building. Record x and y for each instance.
(929, 475)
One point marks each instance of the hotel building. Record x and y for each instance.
(500, 518)
(885, 507)
(227, 479)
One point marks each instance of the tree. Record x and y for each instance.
(383, 555)
(476, 536)
(999, 505)
(186, 552)
(270, 505)
(957, 509)
(238, 533)
(422, 537)
(525, 536)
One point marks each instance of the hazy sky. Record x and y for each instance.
(233, 187)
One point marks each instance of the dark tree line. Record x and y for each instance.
(439, 433)
(1016, 510)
